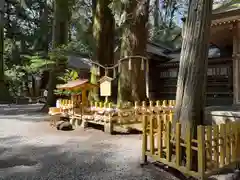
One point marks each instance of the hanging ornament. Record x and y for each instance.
(105, 72)
(142, 64)
(147, 65)
(114, 73)
(130, 64)
(98, 71)
(93, 69)
(119, 64)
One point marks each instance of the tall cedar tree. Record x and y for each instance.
(191, 86)
(60, 37)
(4, 95)
(103, 32)
(131, 84)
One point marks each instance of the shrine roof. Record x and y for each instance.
(105, 78)
(226, 13)
(230, 5)
(79, 62)
(79, 83)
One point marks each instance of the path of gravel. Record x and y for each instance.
(31, 150)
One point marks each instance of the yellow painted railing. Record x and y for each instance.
(215, 147)
(65, 103)
(54, 110)
(129, 114)
(152, 105)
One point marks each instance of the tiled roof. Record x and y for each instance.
(230, 5)
(79, 62)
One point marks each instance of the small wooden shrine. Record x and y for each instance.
(82, 85)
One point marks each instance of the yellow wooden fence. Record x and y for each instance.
(217, 146)
(127, 115)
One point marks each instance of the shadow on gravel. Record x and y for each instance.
(29, 113)
(16, 161)
(71, 161)
(27, 117)
(130, 132)
(20, 109)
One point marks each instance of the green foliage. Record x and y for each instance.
(117, 9)
(69, 75)
(67, 92)
(37, 64)
(81, 46)
(16, 78)
(170, 37)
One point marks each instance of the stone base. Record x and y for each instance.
(54, 119)
(221, 114)
(108, 128)
(63, 125)
(84, 124)
(78, 122)
(227, 176)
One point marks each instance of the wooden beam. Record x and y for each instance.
(236, 62)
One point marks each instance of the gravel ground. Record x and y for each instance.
(31, 150)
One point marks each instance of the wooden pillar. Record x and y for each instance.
(236, 62)
(84, 97)
(147, 78)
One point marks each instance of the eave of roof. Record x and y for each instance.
(229, 6)
(226, 13)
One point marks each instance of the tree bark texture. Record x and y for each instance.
(191, 86)
(1, 39)
(156, 15)
(131, 83)
(4, 94)
(60, 37)
(103, 32)
(45, 28)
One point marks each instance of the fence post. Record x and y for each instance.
(234, 142)
(216, 145)
(238, 140)
(144, 139)
(201, 151)
(164, 103)
(178, 146)
(222, 144)
(189, 148)
(168, 139)
(209, 143)
(171, 116)
(228, 142)
(159, 139)
(151, 134)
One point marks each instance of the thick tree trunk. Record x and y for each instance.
(41, 41)
(60, 37)
(4, 95)
(45, 28)
(15, 54)
(131, 84)
(94, 5)
(156, 16)
(103, 32)
(191, 86)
